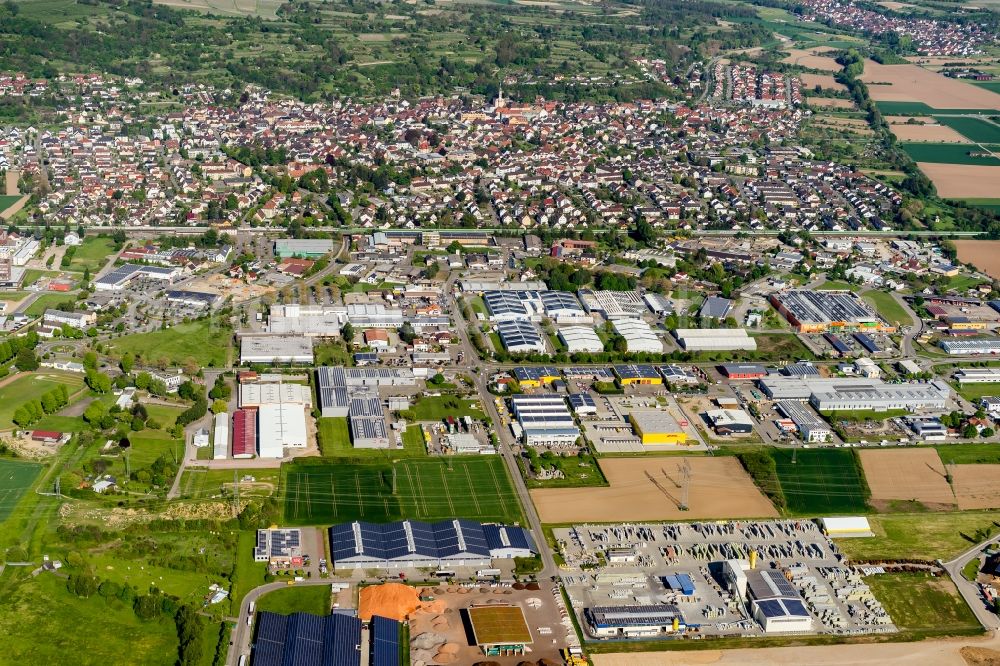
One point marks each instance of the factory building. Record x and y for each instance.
(535, 376)
(978, 375)
(580, 339)
(366, 422)
(119, 277)
(307, 248)
(730, 421)
(656, 427)
(712, 339)
(971, 347)
(858, 393)
(336, 385)
(675, 374)
(545, 420)
(820, 311)
(255, 395)
(811, 428)
(520, 337)
(280, 426)
(412, 544)
(637, 374)
(273, 349)
(775, 603)
(303, 638)
(743, 371)
(633, 621)
(639, 337)
(582, 404)
(613, 304)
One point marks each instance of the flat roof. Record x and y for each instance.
(654, 421)
(499, 625)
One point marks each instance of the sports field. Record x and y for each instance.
(948, 153)
(821, 481)
(31, 387)
(976, 129)
(16, 479)
(472, 487)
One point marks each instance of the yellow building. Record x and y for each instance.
(637, 374)
(656, 427)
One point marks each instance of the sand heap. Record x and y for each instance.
(393, 600)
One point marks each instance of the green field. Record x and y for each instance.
(922, 603)
(16, 478)
(8, 200)
(31, 386)
(989, 85)
(148, 445)
(46, 302)
(837, 285)
(207, 343)
(335, 442)
(974, 392)
(947, 153)
(93, 253)
(888, 307)
(475, 487)
(970, 454)
(821, 481)
(313, 599)
(436, 408)
(919, 108)
(164, 414)
(924, 536)
(197, 482)
(42, 623)
(972, 128)
(988, 204)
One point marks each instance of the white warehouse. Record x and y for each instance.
(638, 335)
(722, 339)
(580, 339)
(545, 419)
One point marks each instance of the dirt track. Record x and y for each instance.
(648, 488)
(944, 652)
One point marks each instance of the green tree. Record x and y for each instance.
(127, 362)
(347, 332)
(26, 360)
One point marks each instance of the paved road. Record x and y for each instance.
(968, 589)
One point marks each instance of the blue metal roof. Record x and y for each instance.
(865, 341)
(302, 639)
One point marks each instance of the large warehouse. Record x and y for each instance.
(410, 543)
(639, 337)
(302, 638)
(255, 395)
(633, 621)
(280, 426)
(971, 347)
(520, 337)
(335, 386)
(613, 304)
(580, 339)
(119, 277)
(857, 393)
(366, 420)
(714, 339)
(271, 349)
(545, 420)
(308, 248)
(819, 311)
(656, 427)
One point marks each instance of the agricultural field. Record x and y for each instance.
(979, 130)
(475, 487)
(31, 386)
(963, 181)
(922, 535)
(948, 153)
(890, 108)
(921, 603)
(888, 307)
(821, 481)
(8, 200)
(93, 253)
(719, 488)
(966, 454)
(911, 83)
(16, 478)
(907, 477)
(207, 342)
(313, 599)
(923, 132)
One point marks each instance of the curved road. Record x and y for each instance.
(968, 589)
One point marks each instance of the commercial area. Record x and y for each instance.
(819, 311)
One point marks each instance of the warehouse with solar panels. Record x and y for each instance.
(818, 311)
(633, 621)
(545, 420)
(410, 544)
(520, 337)
(302, 639)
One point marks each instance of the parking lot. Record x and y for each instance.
(629, 564)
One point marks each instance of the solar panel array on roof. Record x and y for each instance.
(636, 372)
(826, 307)
(800, 370)
(581, 400)
(507, 305)
(499, 537)
(385, 649)
(301, 639)
(520, 336)
(768, 584)
(865, 341)
(633, 616)
(837, 343)
(579, 372)
(782, 608)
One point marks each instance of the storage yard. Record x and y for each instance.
(653, 489)
(714, 579)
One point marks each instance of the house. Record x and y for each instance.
(173, 378)
(104, 484)
(376, 338)
(49, 436)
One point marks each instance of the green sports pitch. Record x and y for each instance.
(16, 479)
(471, 487)
(821, 481)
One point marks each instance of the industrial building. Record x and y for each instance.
(273, 349)
(520, 337)
(639, 337)
(221, 444)
(811, 428)
(255, 395)
(743, 371)
(714, 339)
(580, 339)
(193, 299)
(715, 307)
(772, 600)
(971, 347)
(366, 422)
(613, 304)
(280, 548)
(978, 375)
(533, 376)
(637, 374)
(582, 404)
(335, 386)
(544, 420)
(655, 427)
(730, 421)
(820, 311)
(499, 629)
(413, 544)
(857, 393)
(302, 639)
(633, 621)
(307, 248)
(120, 276)
(675, 374)
(280, 426)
